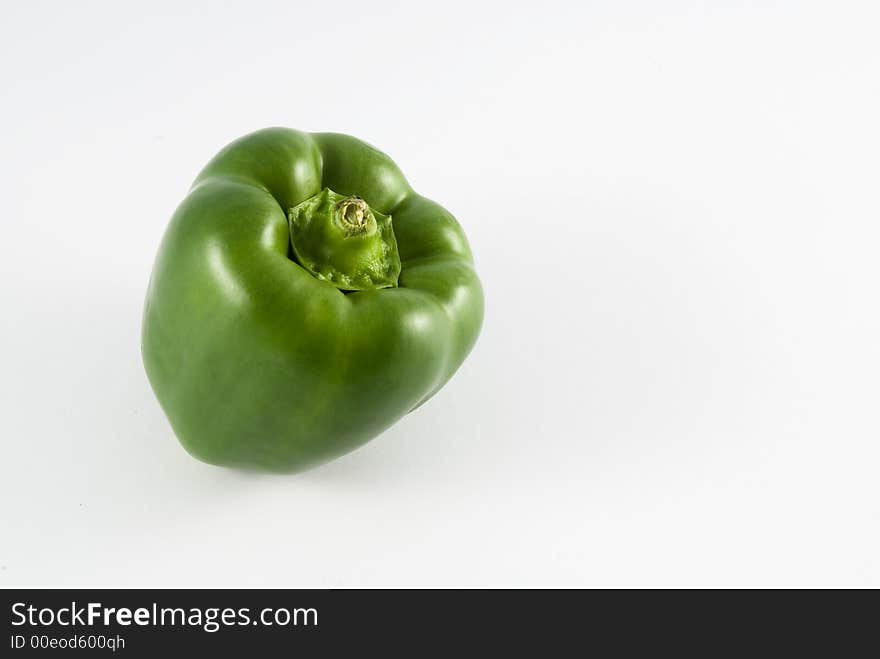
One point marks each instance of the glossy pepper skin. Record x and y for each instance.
(259, 363)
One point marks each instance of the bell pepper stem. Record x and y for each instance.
(341, 240)
(354, 217)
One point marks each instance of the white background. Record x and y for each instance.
(674, 210)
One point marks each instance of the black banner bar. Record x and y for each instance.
(414, 622)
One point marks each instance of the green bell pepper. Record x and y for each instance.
(304, 298)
